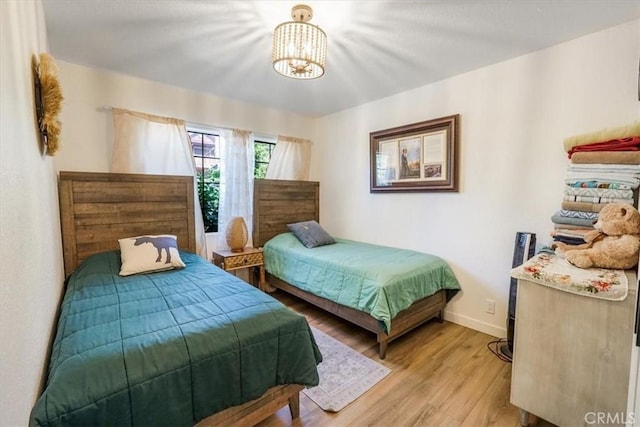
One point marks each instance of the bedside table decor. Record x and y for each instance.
(236, 234)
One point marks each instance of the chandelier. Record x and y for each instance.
(299, 48)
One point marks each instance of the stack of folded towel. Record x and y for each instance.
(605, 168)
(612, 146)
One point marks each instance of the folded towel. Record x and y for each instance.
(602, 135)
(612, 178)
(597, 184)
(598, 192)
(569, 240)
(556, 218)
(620, 145)
(605, 168)
(606, 157)
(572, 227)
(631, 143)
(596, 199)
(582, 207)
(578, 214)
(571, 232)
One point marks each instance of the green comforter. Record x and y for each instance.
(167, 348)
(378, 280)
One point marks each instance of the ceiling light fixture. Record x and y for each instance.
(299, 48)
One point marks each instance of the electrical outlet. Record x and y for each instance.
(490, 306)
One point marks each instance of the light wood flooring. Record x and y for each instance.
(442, 374)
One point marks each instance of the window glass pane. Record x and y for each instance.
(210, 146)
(262, 156)
(206, 153)
(261, 170)
(262, 152)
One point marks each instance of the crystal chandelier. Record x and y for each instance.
(299, 48)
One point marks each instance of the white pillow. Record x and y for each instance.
(143, 254)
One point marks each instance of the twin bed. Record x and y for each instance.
(387, 291)
(178, 347)
(197, 345)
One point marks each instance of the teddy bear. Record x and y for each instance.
(614, 244)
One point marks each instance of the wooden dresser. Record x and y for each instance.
(572, 355)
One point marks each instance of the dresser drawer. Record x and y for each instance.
(243, 260)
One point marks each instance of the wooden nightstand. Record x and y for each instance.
(249, 257)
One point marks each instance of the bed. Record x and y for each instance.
(176, 347)
(294, 269)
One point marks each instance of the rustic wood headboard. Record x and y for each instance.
(97, 209)
(277, 203)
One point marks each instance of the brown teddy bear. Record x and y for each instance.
(614, 244)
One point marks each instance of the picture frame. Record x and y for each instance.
(416, 157)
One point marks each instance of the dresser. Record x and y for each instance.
(572, 356)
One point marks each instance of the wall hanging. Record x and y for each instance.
(48, 102)
(417, 157)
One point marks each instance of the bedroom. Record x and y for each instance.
(520, 109)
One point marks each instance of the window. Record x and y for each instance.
(263, 152)
(206, 153)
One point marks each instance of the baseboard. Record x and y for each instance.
(475, 324)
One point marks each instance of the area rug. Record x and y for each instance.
(345, 374)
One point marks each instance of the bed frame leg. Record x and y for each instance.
(294, 406)
(382, 350)
(441, 316)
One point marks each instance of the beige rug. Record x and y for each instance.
(345, 374)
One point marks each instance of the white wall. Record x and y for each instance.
(88, 129)
(514, 117)
(31, 273)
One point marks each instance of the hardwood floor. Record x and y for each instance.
(442, 374)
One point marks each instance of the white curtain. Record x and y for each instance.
(290, 159)
(236, 181)
(149, 144)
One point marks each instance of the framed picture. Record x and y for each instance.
(417, 157)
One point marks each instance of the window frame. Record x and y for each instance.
(261, 139)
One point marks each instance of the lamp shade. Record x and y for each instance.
(299, 48)
(236, 234)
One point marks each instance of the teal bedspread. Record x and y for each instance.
(167, 348)
(378, 280)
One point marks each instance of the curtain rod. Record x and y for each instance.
(111, 108)
(203, 126)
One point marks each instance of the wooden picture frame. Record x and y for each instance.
(417, 157)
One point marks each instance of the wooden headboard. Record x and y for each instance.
(97, 209)
(277, 203)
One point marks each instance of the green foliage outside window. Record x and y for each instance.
(209, 192)
(209, 183)
(262, 151)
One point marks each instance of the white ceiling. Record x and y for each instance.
(375, 48)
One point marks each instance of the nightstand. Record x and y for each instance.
(249, 257)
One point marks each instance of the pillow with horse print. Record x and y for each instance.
(144, 254)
